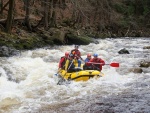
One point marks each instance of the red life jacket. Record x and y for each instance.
(76, 53)
(62, 62)
(98, 60)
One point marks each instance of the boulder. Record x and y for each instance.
(136, 70)
(146, 47)
(144, 64)
(123, 51)
(80, 40)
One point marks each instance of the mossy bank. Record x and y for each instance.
(25, 40)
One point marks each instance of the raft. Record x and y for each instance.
(80, 75)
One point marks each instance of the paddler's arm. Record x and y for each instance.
(89, 64)
(79, 57)
(102, 62)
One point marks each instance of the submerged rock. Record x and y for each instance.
(136, 70)
(144, 64)
(7, 51)
(123, 51)
(146, 47)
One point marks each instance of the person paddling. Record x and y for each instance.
(88, 58)
(96, 62)
(77, 54)
(70, 64)
(63, 60)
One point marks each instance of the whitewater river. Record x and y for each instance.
(28, 83)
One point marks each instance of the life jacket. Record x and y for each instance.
(63, 62)
(98, 66)
(76, 53)
(96, 61)
(87, 60)
(71, 64)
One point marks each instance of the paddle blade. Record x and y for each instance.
(114, 64)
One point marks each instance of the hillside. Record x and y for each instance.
(53, 20)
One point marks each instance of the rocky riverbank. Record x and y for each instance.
(21, 39)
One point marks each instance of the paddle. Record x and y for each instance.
(70, 65)
(62, 78)
(79, 57)
(113, 64)
(66, 80)
(58, 72)
(65, 73)
(68, 68)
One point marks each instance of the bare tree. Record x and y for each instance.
(46, 12)
(10, 16)
(1, 6)
(27, 17)
(52, 22)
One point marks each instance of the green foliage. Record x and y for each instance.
(122, 8)
(124, 23)
(133, 7)
(146, 11)
(119, 8)
(146, 7)
(130, 10)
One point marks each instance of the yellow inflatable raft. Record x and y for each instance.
(80, 75)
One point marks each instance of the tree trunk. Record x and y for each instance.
(27, 17)
(53, 14)
(10, 16)
(1, 5)
(46, 9)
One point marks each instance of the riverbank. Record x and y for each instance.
(24, 40)
(21, 39)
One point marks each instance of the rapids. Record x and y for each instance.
(28, 83)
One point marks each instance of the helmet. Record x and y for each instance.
(95, 55)
(66, 54)
(88, 55)
(71, 55)
(76, 46)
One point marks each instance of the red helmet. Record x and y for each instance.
(88, 55)
(66, 54)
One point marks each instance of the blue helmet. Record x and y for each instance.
(95, 55)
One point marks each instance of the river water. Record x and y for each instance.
(28, 83)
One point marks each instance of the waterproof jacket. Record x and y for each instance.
(62, 62)
(70, 64)
(86, 60)
(96, 66)
(76, 53)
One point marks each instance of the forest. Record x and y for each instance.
(27, 24)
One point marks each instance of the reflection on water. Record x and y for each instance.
(28, 82)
